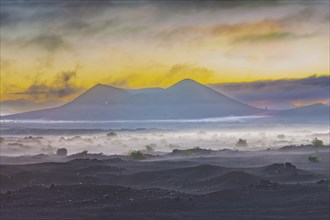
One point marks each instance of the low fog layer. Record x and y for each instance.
(124, 141)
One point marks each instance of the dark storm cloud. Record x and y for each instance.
(282, 91)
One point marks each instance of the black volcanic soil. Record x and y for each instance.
(222, 185)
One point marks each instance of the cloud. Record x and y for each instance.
(182, 71)
(273, 36)
(279, 93)
(159, 76)
(57, 34)
(63, 85)
(223, 30)
(49, 42)
(183, 21)
(295, 21)
(7, 67)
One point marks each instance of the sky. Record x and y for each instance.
(51, 51)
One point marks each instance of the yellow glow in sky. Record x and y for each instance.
(156, 45)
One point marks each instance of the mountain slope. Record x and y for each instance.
(311, 113)
(99, 95)
(186, 99)
(309, 110)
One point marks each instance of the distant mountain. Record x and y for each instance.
(100, 94)
(315, 111)
(186, 99)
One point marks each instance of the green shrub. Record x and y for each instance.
(1, 140)
(241, 143)
(188, 152)
(137, 154)
(150, 147)
(62, 152)
(313, 159)
(317, 143)
(112, 134)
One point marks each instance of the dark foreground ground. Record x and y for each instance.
(262, 185)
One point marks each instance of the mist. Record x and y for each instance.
(46, 141)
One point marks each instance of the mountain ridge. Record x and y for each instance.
(186, 99)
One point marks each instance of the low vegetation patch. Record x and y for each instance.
(62, 152)
(32, 138)
(192, 152)
(313, 159)
(317, 143)
(150, 147)
(241, 143)
(112, 134)
(137, 154)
